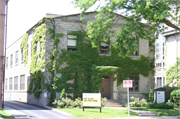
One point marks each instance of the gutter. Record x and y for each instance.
(5, 53)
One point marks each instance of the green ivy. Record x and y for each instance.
(89, 67)
(24, 48)
(173, 73)
(37, 59)
(86, 63)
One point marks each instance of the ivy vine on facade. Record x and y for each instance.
(55, 64)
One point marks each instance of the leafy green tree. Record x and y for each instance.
(150, 96)
(153, 11)
(63, 94)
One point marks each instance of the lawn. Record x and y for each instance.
(160, 112)
(95, 113)
(4, 115)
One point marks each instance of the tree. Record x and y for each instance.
(153, 11)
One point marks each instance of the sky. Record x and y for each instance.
(23, 14)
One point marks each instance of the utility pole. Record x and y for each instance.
(2, 33)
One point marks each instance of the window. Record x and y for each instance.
(22, 80)
(104, 48)
(158, 51)
(136, 53)
(11, 62)
(163, 64)
(159, 82)
(158, 65)
(16, 83)
(10, 83)
(6, 82)
(135, 78)
(70, 82)
(22, 55)
(6, 62)
(164, 81)
(71, 43)
(16, 57)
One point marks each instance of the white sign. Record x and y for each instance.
(127, 83)
(45, 94)
(160, 97)
(91, 99)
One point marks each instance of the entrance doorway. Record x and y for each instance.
(105, 88)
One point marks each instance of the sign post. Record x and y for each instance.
(92, 100)
(127, 84)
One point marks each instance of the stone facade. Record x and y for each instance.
(64, 24)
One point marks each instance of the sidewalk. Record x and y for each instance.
(144, 114)
(19, 115)
(15, 113)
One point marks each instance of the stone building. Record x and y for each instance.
(18, 77)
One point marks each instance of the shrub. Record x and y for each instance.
(168, 91)
(63, 94)
(137, 103)
(150, 96)
(174, 97)
(78, 102)
(143, 102)
(160, 105)
(103, 101)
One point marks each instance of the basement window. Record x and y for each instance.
(71, 82)
(135, 84)
(71, 45)
(104, 48)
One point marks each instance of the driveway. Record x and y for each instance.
(35, 112)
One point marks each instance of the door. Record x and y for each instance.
(105, 89)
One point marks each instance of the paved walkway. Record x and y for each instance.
(18, 114)
(145, 114)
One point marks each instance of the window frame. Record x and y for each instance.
(6, 84)
(69, 47)
(22, 83)
(134, 81)
(10, 83)
(104, 49)
(15, 83)
(11, 60)
(16, 57)
(6, 62)
(22, 55)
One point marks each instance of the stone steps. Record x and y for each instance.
(144, 113)
(113, 103)
(20, 116)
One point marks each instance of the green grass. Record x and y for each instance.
(160, 112)
(4, 115)
(95, 113)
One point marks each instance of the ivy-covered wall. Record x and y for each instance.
(86, 64)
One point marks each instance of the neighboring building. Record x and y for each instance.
(173, 51)
(18, 77)
(160, 73)
(167, 51)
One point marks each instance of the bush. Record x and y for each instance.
(150, 96)
(137, 103)
(63, 94)
(174, 97)
(103, 101)
(67, 103)
(160, 105)
(168, 91)
(143, 102)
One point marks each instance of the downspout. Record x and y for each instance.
(5, 54)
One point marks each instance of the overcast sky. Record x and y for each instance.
(23, 14)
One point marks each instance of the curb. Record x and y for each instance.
(54, 109)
